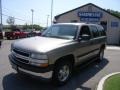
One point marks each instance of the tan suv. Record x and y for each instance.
(60, 48)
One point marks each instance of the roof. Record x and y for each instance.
(77, 24)
(70, 24)
(56, 17)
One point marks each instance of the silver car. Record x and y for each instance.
(58, 50)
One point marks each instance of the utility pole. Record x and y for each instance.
(1, 26)
(47, 20)
(51, 11)
(32, 17)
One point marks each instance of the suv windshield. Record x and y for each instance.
(61, 31)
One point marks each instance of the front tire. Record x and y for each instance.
(62, 72)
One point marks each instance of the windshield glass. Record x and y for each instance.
(61, 31)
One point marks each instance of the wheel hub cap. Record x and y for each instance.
(63, 73)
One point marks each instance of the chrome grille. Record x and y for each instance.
(20, 52)
(21, 56)
(21, 60)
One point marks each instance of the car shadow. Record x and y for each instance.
(13, 81)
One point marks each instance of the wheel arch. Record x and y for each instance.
(68, 58)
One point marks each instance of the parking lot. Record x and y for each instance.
(82, 79)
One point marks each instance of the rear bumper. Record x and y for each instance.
(31, 70)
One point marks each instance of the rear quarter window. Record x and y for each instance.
(85, 30)
(94, 31)
(101, 31)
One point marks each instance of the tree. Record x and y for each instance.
(11, 20)
(116, 13)
(36, 27)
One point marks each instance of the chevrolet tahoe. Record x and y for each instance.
(58, 50)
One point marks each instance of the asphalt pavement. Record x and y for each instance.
(82, 79)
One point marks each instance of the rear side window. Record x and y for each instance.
(101, 31)
(85, 30)
(94, 31)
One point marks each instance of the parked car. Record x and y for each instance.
(60, 48)
(15, 34)
(41, 31)
(1, 37)
(38, 33)
(31, 33)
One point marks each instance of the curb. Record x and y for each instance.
(112, 48)
(101, 83)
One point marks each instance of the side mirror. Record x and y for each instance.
(84, 37)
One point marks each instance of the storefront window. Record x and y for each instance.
(74, 21)
(114, 24)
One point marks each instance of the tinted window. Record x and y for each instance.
(94, 31)
(101, 31)
(73, 21)
(85, 30)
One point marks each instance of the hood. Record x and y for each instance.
(40, 44)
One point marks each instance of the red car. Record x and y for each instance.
(15, 34)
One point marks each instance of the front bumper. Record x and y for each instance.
(31, 70)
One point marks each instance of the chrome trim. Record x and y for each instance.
(46, 75)
(28, 59)
(21, 51)
(21, 57)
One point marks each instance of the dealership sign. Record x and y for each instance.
(90, 16)
(90, 19)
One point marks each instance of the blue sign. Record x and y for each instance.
(90, 14)
(90, 19)
(114, 24)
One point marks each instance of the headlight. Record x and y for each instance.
(41, 60)
(39, 56)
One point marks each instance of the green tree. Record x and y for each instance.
(11, 20)
(35, 26)
(116, 13)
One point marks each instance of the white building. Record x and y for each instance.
(91, 13)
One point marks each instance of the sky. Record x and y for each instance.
(21, 9)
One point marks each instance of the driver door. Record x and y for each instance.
(84, 47)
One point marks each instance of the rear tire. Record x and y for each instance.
(62, 72)
(17, 37)
(100, 55)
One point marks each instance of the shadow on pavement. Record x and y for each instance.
(12, 81)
